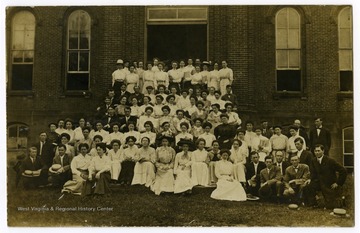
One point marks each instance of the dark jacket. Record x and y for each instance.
(324, 139)
(325, 172)
(47, 153)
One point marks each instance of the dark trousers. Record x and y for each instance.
(97, 186)
(36, 181)
(332, 197)
(127, 171)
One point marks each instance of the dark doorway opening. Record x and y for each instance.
(175, 42)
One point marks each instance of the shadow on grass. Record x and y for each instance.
(138, 206)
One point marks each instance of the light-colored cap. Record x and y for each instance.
(119, 61)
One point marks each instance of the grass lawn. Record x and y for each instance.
(138, 206)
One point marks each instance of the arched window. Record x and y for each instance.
(22, 51)
(78, 51)
(288, 50)
(348, 147)
(345, 49)
(17, 136)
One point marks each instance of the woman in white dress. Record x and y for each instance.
(164, 162)
(144, 171)
(148, 78)
(214, 155)
(182, 168)
(214, 77)
(132, 79)
(161, 77)
(199, 167)
(226, 77)
(115, 155)
(128, 161)
(238, 158)
(149, 128)
(227, 187)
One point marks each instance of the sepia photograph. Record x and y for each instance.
(179, 115)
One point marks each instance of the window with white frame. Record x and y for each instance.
(22, 51)
(288, 50)
(78, 51)
(348, 147)
(17, 135)
(345, 49)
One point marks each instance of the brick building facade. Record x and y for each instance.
(248, 37)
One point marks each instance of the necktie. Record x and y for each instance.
(319, 160)
(279, 165)
(296, 169)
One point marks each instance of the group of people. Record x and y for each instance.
(186, 134)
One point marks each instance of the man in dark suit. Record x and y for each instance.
(126, 119)
(270, 180)
(109, 119)
(279, 162)
(59, 177)
(265, 129)
(327, 176)
(45, 149)
(37, 168)
(294, 180)
(102, 110)
(138, 95)
(320, 135)
(253, 174)
(305, 156)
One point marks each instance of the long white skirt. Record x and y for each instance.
(144, 173)
(213, 177)
(227, 190)
(164, 181)
(74, 186)
(183, 180)
(115, 169)
(199, 174)
(239, 172)
(223, 84)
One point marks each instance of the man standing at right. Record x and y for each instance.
(320, 135)
(324, 178)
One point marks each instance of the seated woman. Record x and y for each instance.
(197, 128)
(149, 127)
(99, 173)
(238, 158)
(65, 138)
(57, 178)
(96, 140)
(132, 132)
(199, 166)
(214, 156)
(164, 162)
(115, 155)
(224, 132)
(144, 170)
(182, 168)
(79, 168)
(227, 187)
(116, 134)
(128, 161)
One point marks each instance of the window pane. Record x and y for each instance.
(17, 56)
(294, 38)
(345, 18)
(348, 147)
(28, 56)
(282, 39)
(346, 81)
(77, 81)
(349, 133)
(349, 160)
(345, 38)
(192, 14)
(23, 30)
(23, 131)
(84, 39)
(21, 76)
(13, 131)
(294, 58)
(282, 59)
(281, 19)
(288, 80)
(18, 40)
(294, 19)
(73, 39)
(84, 21)
(73, 61)
(345, 59)
(29, 40)
(162, 14)
(84, 61)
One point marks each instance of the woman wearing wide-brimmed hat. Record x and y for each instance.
(182, 168)
(164, 162)
(227, 187)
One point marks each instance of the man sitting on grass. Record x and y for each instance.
(270, 178)
(33, 170)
